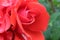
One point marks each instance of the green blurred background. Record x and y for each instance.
(53, 7)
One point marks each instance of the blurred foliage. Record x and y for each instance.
(53, 7)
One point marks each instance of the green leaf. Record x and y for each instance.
(54, 17)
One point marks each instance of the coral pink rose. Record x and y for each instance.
(32, 20)
(5, 11)
(23, 20)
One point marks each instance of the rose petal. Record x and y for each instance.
(4, 21)
(7, 22)
(42, 18)
(8, 35)
(18, 37)
(13, 20)
(32, 0)
(5, 2)
(35, 35)
(20, 28)
(1, 37)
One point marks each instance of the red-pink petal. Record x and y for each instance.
(41, 19)
(4, 21)
(8, 35)
(1, 37)
(35, 35)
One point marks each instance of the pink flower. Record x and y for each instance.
(4, 20)
(32, 19)
(23, 20)
(5, 11)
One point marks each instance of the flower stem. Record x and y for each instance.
(52, 5)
